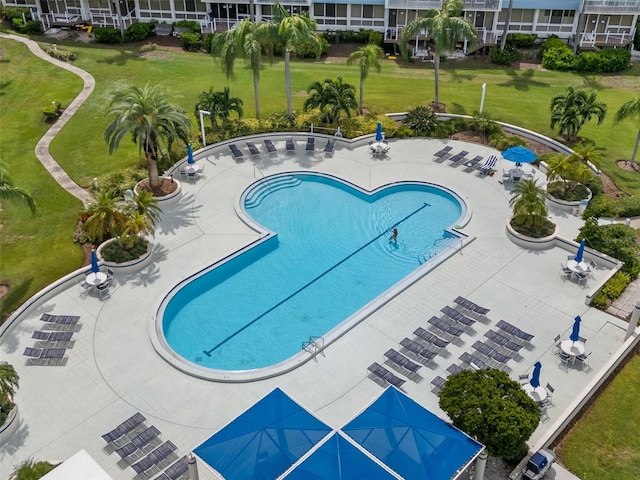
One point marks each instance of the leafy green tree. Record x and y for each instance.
(631, 109)
(10, 193)
(146, 114)
(421, 120)
(31, 470)
(528, 200)
(104, 217)
(220, 104)
(294, 30)
(616, 240)
(587, 153)
(368, 57)
(492, 408)
(331, 97)
(247, 40)
(570, 169)
(570, 111)
(9, 381)
(445, 27)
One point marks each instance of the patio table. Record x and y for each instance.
(538, 394)
(96, 278)
(572, 348)
(576, 267)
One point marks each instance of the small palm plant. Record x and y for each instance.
(528, 200)
(567, 174)
(8, 385)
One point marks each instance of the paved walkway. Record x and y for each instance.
(42, 147)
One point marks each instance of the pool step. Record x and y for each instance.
(255, 196)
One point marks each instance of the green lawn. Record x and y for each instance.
(519, 97)
(604, 443)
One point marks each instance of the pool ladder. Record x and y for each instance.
(314, 346)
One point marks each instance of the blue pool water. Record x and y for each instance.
(330, 256)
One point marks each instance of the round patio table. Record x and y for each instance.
(572, 348)
(576, 267)
(96, 278)
(538, 394)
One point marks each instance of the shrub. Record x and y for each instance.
(616, 285)
(558, 59)
(119, 181)
(107, 35)
(52, 110)
(9, 13)
(603, 61)
(192, 25)
(595, 185)
(600, 300)
(191, 42)
(305, 49)
(629, 207)
(574, 193)
(552, 42)
(616, 240)
(501, 141)
(601, 206)
(116, 252)
(138, 32)
(504, 57)
(207, 41)
(61, 54)
(421, 120)
(588, 62)
(521, 40)
(33, 27)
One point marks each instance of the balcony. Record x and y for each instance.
(612, 6)
(479, 5)
(415, 4)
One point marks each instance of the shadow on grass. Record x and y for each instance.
(3, 86)
(16, 296)
(522, 82)
(459, 77)
(457, 109)
(591, 82)
(123, 57)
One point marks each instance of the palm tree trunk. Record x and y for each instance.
(152, 167)
(287, 80)
(361, 95)
(505, 32)
(436, 63)
(256, 95)
(635, 149)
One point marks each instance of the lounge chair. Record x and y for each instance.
(175, 471)
(290, 145)
(253, 150)
(155, 457)
(32, 352)
(385, 375)
(445, 327)
(457, 157)
(125, 427)
(438, 384)
(457, 316)
(474, 362)
(491, 353)
(454, 368)
(311, 144)
(471, 164)
(271, 148)
(515, 332)
(417, 349)
(330, 147)
(441, 154)
(144, 439)
(487, 166)
(402, 361)
(470, 306)
(235, 151)
(46, 317)
(502, 341)
(430, 338)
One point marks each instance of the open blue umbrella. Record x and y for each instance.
(519, 155)
(190, 154)
(379, 132)
(580, 252)
(575, 332)
(535, 377)
(94, 262)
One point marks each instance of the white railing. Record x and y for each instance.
(612, 6)
(482, 5)
(415, 4)
(593, 39)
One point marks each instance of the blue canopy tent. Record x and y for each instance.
(535, 376)
(94, 262)
(264, 441)
(339, 459)
(411, 440)
(580, 252)
(575, 331)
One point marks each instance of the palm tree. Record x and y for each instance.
(570, 169)
(146, 204)
(294, 30)
(587, 153)
(220, 104)
(9, 192)
(368, 56)
(331, 98)
(104, 217)
(528, 200)
(135, 226)
(573, 109)
(152, 121)
(631, 109)
(505, 30)
(9, 381)
(248, 40)
(445, 27)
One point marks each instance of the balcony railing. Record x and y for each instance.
(612, 6)
(415, 4)
(604, 39)
(489, 5)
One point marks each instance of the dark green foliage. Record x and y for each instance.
(558, 59)
(504, 57)
(364, 35)
(616, 240)
(107, 35)
(192, 25)
(61, 53)
(51, 110)
(521, 40)
(501, 141)
(595, 185)
(421, 120)
(603, 61)
(31, 470)
(207, 42)
(573, 193)
(138, 32)
(117, 182)
(116, 252)
(32, 27)
(489, 406)
(629, 206)
(636, 40)
(552, 42)
(616, 285)
(604, 206)
(10, 13)
(535, 231)
(307, 50)
(191, 42)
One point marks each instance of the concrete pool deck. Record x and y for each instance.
(113, 370)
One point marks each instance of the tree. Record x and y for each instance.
(9, 381)
(528, 200)
(445, 27)
(489, 406)
(31, 470)
(631, 109)
(104, 217)
(151, 120)
(294, 30)
(331, 98)
(588, 153)
(505, 30)
(248, 40)
(570, 169)
(368, 57)
(9, 192)
(220, 104)
(573, 109)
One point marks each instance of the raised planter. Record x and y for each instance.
(566, 206)
(131, 266)
(10, 425)
(531, 243)
(167, 199)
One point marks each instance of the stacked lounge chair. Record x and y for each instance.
(445, 328)
(155, 459)
(470, 306)
(517, 335)
(290, 145)
(126, 427)
(502, 341)
(422, 352)
(236, 152)
(402, 361)
(311, 144)
(492, 355)
(385, 375)
(175, 471)
(431, 339)
(457, 316)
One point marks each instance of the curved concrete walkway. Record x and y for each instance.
(42, 147)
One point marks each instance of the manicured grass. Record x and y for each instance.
(34, 250)
(604, 443)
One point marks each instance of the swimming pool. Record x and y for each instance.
(324, 263)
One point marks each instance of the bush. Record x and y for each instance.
(552, 42)
(595, 185)
(305, 49)
(191, 42)
(116, 252)
(52, 110)
(119, 181)
(616, 285)
(421, 120)
(603, 61)
(138, 32)
(521, 40)
(616, 240)
(9, 13)
(504, 57)
(33, 27)
(192, 25)
(629, 207)
(61, 53)
(107, 35)
(501, 141)
(558, 59)
(574, 193)
(207, 42)
(601, 206)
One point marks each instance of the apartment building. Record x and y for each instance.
(591, 23)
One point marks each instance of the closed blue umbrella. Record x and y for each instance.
(535, 377)
(190, 154)
(94, 262)
(519, 155)
(575, 332)
(580, 252)
(379, 132)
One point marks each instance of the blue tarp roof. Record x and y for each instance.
(264, 441)
(338, 459)
(411, 440)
